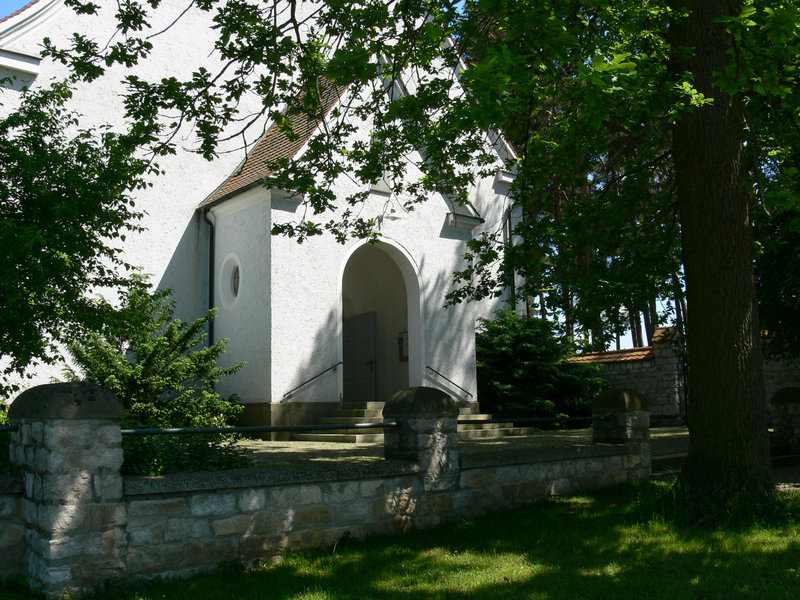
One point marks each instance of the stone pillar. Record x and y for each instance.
(69, 449)
(426, 433)
(785, 412)
(623, 417)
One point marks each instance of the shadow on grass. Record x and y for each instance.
(606, 545)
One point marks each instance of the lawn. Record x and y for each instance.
(612, 544)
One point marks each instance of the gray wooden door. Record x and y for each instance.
(360, 367)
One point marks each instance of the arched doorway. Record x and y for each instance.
(381, 333)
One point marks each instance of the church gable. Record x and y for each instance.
(275, 144)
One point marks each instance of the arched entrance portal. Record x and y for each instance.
(381, 337)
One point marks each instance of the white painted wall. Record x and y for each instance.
(242, 240)
(173, 248)
(287, 321)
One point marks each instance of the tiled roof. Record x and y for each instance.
(614, 356)
(275, 145)
(660, 335)
(15, 13)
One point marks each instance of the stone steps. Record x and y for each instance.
(351, 413)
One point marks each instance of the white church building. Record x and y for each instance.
(318, 322)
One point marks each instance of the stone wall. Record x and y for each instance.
(84, 523)
(12, 531)
(653, 371)
(656, 372)
(780, 374)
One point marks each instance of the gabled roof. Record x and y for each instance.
(15, 13)
(274, 145)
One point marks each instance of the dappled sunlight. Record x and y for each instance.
(439, 571)
(590, 546)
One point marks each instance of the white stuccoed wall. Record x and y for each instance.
(287, 320)
(173, 249)
(242, 238)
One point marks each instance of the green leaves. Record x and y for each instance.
(164, 376)
(64, 199)
(521, 372)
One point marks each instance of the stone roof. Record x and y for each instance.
(275, 145)
(15, 13)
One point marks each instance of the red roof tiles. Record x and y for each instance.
(661, 334)
(275, 145)
(612, 356)
(16, 12)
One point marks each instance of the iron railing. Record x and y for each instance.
(310, 379)
(330, 427)
(258, 429)
(531, 420)
(447, 379)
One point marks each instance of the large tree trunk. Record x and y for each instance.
(728, 469)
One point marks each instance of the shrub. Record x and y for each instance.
(164, 376)
(5, 438)
(522, 373)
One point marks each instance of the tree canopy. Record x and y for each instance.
(65, 207)
(646, 133)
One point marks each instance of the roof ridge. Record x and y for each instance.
(19, 10)
(275, 144)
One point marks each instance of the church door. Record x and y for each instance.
(360, 366)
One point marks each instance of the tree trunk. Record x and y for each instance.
(728, 472)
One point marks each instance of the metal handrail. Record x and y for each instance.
(257, 429)
(307, 381)
(430, 368)
(601, 417)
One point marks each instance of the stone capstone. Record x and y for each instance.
(73, 400)
(617, 399)
(420, 402)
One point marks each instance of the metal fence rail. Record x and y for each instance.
(531, 420)
(328, 427)
(258, 429)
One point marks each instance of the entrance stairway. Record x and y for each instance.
(372, 412)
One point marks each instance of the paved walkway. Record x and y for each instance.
(666, 442)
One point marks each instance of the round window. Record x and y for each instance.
(230, 281)
(235, 281)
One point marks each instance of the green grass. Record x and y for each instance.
(609, 545)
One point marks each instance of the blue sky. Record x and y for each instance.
(9, 6)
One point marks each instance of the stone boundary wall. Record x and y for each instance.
(78, 522)
(12, 530)
(655, 372)
(656, 379)
(186, 526)
(780, 374)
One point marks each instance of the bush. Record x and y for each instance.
(164, 377)
(522, 373)
(5, 438)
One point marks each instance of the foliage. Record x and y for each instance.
(6, 466)
(65, 207)
(583, 91)
(604, 98)
(522, 373)
(603, 545)
(164, 377)
(778, 280)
